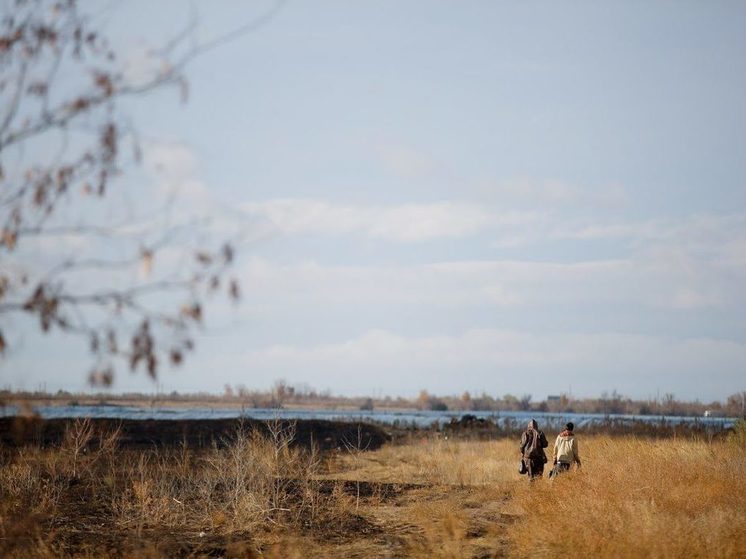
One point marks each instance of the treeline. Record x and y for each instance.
(612, 404)
(283, 394)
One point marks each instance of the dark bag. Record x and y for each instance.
(522, 468)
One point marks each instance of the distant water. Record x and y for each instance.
(402, 418)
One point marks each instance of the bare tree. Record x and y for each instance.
(65, 144)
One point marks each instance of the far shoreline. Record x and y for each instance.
(465, 404)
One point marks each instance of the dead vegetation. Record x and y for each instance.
(258, 495)
(639, 498)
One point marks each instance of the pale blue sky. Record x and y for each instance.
(509, 197)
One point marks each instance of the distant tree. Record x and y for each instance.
(612, 403)
(242, 392)
(367, 405)
(422, 399)
(466, 401)
(525, 402)
(484, 402)
(645, 409)
(510, 402)
(564, 403)
(281, 391)
(735, 405)
(436, 404)
(425, 401)
(669, 404)
(228, 391)
(64, 141)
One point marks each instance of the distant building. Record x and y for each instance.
(553, 399)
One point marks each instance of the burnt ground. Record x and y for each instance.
(325, 435)
(194, 433)
(385, 523)
(355, 518)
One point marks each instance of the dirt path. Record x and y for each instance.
(419, 519)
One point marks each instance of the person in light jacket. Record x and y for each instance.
(566, 451)
(533, 443)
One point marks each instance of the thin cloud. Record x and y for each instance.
(408, 223)
(654, 280)
(533, 192)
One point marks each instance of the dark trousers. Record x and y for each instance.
(535, 467)
(559, 468)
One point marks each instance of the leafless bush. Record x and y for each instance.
(354, 449)
(82, 446)
(252, 479)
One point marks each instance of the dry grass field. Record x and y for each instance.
(430, 497)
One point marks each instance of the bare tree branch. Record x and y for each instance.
(42, 43)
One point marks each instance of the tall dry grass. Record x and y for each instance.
(638, 498)
(634, 497)
(87, 496)
(436, 461)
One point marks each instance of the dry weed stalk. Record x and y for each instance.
(84, 447)
(355, 449)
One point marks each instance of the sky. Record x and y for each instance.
(508, 197)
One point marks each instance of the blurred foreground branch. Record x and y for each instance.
(74, 257)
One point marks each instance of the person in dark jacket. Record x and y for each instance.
(533, 443)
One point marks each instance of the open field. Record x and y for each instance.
(260, 495)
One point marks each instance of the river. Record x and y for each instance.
(402, 418)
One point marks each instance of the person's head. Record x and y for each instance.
(533, 425)
(569, 426)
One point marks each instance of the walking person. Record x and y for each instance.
(565, 451)
(533, 443)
